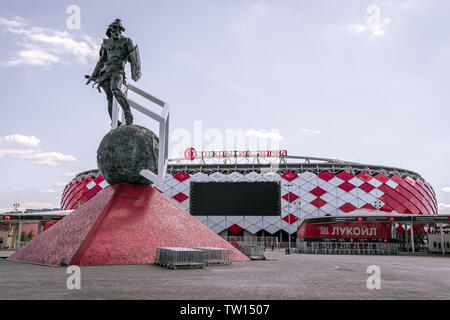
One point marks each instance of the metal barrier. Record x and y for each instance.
(171, 257)
(362, 248)
(216, 255)
(266, 242)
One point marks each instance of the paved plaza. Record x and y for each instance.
(281, 277)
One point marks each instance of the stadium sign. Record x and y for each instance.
(192, 154)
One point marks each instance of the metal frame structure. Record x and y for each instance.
(162, 118)
(283, 164)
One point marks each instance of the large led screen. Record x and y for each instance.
(235, 199)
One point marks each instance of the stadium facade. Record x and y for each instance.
(308, 188)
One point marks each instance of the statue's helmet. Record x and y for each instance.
(115, 24)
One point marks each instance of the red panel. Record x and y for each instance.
(289, 176)
(345, 176)
(180, 197)
(318, 191)
(348, 207)
(326, 175)
(400, 229)
(124, 224)
(421, 208)
(69, 191)
(318, 202)
(386, 208)
(423, 195)
(290, 218)
(395, 205)
(400, 199)
(430, 198)
(91, 193)
(181, 176)
(381, 177)
(74, 193)
(368, 206)
(235, 229)
(364, 176)
(290, 197)
(73, 202)
(346, 186)
(366, 187)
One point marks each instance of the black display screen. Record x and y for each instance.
(235, 199)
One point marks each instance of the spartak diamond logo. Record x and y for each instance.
(190, 154)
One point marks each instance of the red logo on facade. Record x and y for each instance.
(190, 154)
(7, 217)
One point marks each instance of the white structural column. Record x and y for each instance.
(442, 241)
(162, 118)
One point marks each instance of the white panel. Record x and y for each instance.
(376, 192)
(202, 219)
(347, 197)
(236, 176)
(328, 197)
(217, 176)
(336, 181)
(308, 175)
(169, 180)
(271, 176)
(199, 176)
(355, 192)
(308, 186)
(340, 202)
(308, 197)
(252, 176)
(328, 187)
(340, 192)
(272, 229)
(253, 228)
(355, 181)
(216, 219)
(290, 229)
(103, 184)
(235, 219)
(327, 208)
(375, 182)
(180, 187)
(253, 219)
(217, 229)
(272, 219)
(307, 207)
(367, 197)
(391, 183)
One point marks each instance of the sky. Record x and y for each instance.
(362, 81)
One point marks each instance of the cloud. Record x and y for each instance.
(444, 208)
(61, 184)
(70, 174)
(315, 131)
(45, 46)
(446, 189)
(263, 134)
(18, 189)
(38, 157)
(36, 205)
(47, 191)
(16, 23)
(21, 139)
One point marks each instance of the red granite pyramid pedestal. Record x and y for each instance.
(123, 224)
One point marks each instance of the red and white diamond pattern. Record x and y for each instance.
(303, 195)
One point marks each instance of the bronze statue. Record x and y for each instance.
(109, 73)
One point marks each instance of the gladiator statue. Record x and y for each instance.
(109, 73)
